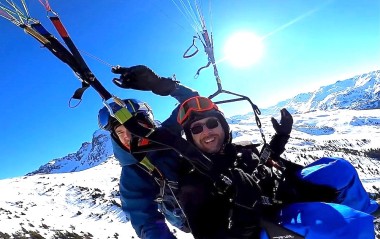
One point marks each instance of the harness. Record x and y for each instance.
(167, 198)
(249, 159)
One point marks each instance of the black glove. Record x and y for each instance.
(247, 192)
(285, 125)
(283, 129)
(141, 77)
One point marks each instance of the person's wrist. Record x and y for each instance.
(165, 86)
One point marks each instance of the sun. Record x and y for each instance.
(243, 49)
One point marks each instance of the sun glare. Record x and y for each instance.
(243, 49)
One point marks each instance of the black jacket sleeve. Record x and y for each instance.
(277, 145)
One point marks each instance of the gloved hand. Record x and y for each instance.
(283, 129)
(285, 125)
(247, 192)
(142, 78)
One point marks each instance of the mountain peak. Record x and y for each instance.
(359, 93)
(88, 156)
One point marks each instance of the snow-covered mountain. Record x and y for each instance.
(77, 196)
(89, 155)
(357, 93)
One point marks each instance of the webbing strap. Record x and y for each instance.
(70, 44)
(148, 165)
(55, 47)
(35, 34)
(79, 92)
(84, 71)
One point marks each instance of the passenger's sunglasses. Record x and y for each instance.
(210, 124)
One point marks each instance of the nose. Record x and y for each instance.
(206, 130)
(127, 138)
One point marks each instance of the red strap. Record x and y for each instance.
(59, 26)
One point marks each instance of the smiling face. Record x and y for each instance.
(124, 135)
(209, 140)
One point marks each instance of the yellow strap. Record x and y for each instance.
(147, 164)
(123, 115)
(36, 35)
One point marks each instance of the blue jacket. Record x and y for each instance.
(138, 189)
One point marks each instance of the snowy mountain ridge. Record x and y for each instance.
(89, 155)
(357, 93)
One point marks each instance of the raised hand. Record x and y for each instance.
(141, 77)
(285, 125)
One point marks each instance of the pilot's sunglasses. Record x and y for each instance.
(210, 124)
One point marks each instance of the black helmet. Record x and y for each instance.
(197, 108)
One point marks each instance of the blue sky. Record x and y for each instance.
(306, 44)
